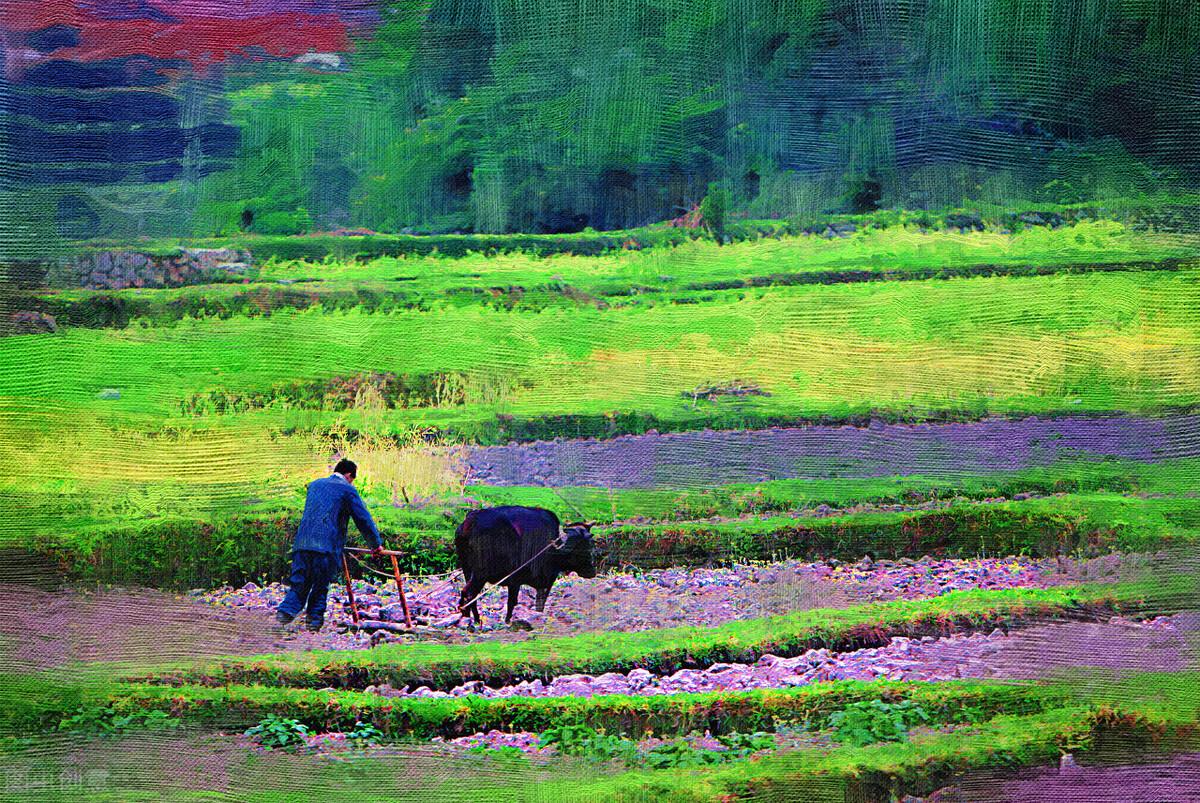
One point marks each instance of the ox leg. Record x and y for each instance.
(514, 591)
(542, 595)
(469, 592)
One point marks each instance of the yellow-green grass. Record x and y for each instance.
(1081, 342)
(701, 261)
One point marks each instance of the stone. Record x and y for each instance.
(392, 613)
(611, 683)
(470, 687)
(31, 322)
(639, 679)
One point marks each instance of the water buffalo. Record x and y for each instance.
(495, 542)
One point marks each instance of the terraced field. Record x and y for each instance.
(877, 515)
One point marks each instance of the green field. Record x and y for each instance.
(163, 438)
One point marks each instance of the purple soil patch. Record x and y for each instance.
(529, 743)
(336, 745)
(708, 458)
(1165, 780)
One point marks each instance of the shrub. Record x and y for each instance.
(277, 732)
(874, 721)
(108, 721)
(364, 734)
(580, 740)
(713, 210)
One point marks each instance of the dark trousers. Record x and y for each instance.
(312, 573)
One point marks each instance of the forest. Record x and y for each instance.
(563, 115)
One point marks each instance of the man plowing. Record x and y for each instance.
(317, 550)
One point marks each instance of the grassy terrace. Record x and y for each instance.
(992, 345)
(678, 274)
(968, 336)
(664, 651)
(228, 546)
(236, 707)
(996, 345)
(999, 727)
(1145, 715)
(878, 771)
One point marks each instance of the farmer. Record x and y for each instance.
(317, 550)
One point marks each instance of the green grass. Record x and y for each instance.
(1052, 344)
(236, 544)
(661, 275)
(664, 651)
(236, 707)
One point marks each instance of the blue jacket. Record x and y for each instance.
(331, 502)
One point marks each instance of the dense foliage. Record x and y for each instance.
(495, 116)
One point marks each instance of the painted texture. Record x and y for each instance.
(867, 333)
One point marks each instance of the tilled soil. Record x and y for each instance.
(710, 458)
(52, 627)
(666, 598)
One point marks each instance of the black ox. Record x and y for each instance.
(518, 546)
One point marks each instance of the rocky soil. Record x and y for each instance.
(661, 598)
(1156, 645)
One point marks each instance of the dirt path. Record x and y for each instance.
(42, 629)
(708, 458)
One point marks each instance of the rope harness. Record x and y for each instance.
(557, 543)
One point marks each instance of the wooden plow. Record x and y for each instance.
(391, 553)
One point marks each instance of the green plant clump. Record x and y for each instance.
(279, 732)
(873, 721)
(107, 721)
